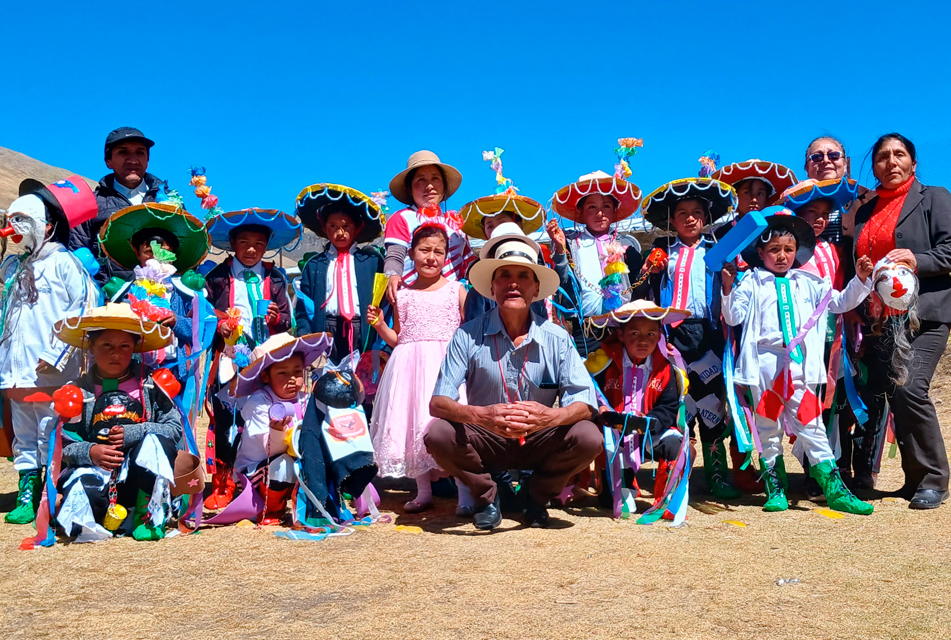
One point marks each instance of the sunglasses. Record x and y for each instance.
(834, 156)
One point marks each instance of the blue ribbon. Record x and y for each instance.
(855, 401)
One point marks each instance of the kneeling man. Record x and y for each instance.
(514, 364)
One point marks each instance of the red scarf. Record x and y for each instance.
(878, 235)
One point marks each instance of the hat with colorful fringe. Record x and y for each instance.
(115, 236)
(660, 204)
(840, 191)
(116, 316)
(777, 177)
(313, 200)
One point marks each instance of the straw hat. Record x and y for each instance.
(639, 309)
(115, 237)
(628, 195)
(659, 205)
(782, 218)
(473, 213)
(777, 177)
(315, 197)
(419, 159)
(840, 191)
(509, 248)
(285, 228)
(117, 316)
(276, 349)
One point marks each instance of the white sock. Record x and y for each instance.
(465, 496)
(424, 489)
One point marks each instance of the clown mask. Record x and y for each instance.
(895, 284)
(27, 217)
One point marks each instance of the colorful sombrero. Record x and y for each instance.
(778, 177)
(628, 195)
(285, 228)
(118, 316)
(840, 191)
(115, 237)
(278, 348)
(781, 217)
(638, 309)
(473, 213)
(313, 198)
(720, 197)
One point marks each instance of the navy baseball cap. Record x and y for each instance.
(126, 134)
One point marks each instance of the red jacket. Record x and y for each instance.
(662, 397)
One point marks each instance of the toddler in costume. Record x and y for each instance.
(426, 316)
(782, 310)
(271, 397)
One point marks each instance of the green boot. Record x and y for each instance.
(780, 466)
(28, 498)
(145, 530)
(773, 476)
(716, 471)
(838, 495)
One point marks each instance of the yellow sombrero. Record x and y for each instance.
(117, 316)
(627, 194)
(638, 309)
(473, 213)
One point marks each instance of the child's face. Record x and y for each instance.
(113, 351)
(249, 247)
(751, 195)
(598, 212)
(688, 219)
(341, 230)
(816, 213)
(639, 337)
(144, 250)
(779, 254)
(286, 378)
(429, 256)
(490, 223)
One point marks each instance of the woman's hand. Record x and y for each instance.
(105, 456)
(392, 287)
(558, 241)
(374, 315)
(904, 256)
(863, 267)
(727, 277)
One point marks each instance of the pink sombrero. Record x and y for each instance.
(276, 349)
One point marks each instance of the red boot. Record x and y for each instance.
(744, 479)
(660, 484)
(275, 504)
(222, 489)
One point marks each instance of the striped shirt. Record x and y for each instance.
(400, 228)
(544, 367)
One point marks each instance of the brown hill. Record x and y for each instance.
(15, 166)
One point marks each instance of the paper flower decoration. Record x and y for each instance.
(709, 162)
(503, 184)
(627, 148)
(209, 202)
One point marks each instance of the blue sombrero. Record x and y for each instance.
(778, 217)
(841, 192)
(285, 228)
(313, 198)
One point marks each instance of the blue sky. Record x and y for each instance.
(272, 97)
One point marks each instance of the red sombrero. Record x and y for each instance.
(778, 177)
(627, 194)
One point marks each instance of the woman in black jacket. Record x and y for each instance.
(909, 223)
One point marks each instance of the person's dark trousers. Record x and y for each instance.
(923, 456)
(471, 453)
(693, 339)
(344, 335)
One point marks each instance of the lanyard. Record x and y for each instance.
(521, 376)
(787, 317)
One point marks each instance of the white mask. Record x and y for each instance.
(895, 284)
(27, 216)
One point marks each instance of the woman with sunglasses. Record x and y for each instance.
(826, 160)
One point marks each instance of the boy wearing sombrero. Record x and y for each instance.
(42, 284)
(249, 296)
(757, 184)
(640, 380)
(336, 285)
(782, 311)
(591, 259)
(119, 453)
(685, 207)
(156, 242)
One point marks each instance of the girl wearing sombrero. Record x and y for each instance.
(119, 455)
(249, 296)
(423, 186)
(42, 283)
(336, 285)
(592, 260)
(782, 311)
(684, 280)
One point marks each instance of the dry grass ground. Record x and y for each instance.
(588, 576)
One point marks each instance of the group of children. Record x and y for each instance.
(660, 329)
